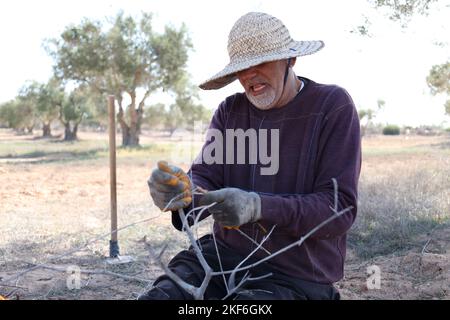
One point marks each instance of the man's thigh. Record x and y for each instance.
(267, 290)
(186, 266)
(281, 287)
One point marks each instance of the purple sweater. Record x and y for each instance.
(319, 140)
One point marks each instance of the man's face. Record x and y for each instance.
(263, 84)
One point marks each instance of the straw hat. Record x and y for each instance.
(254, 39)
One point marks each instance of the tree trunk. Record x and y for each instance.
(46, 130)
(363, 131)
(70, 134)
(130, 136)
(75, 130)
(130, 133)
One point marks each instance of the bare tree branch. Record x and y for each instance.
(302, 239)
(231, 280)
(232, 288)
(208, 271)
(183, 284)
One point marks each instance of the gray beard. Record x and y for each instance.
(263, 101)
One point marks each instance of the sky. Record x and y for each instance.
(391, 65)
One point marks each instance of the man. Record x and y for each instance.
(318, 135)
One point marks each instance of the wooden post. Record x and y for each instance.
(113, 244)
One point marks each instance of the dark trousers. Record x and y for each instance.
(278, 286)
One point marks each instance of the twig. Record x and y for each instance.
(300, 241)
(14, 291)
(429, 240)
(252, 291)
(425, 246)
(10, 286)
(208, 271)
(198, 293)
(183, 284)
(252, 240)
(178, 197)
(297, 243)
(47, 294)
(97, 272)
(203, 209)
(218, 258)
(231, 280)
(241, 283)
(335, 188)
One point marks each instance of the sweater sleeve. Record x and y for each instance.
(339, 157)
(206, 175)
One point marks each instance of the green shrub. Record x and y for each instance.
(391, 130)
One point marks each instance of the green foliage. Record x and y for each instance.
(74, 107)
(439, 78)
(8, 115)
(186, 102)
(120, 57)
(20, 114)
(367, 115)
(404, 9)
(439, 82)
(73, 110)
(155, 115)
(96, 107)
(179, 115)
(391, 130)
(397, 10)
(381, 103)
(50, 97)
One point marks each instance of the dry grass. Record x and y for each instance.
(402, 195)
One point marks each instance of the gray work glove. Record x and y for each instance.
(168, 182)
(234, 207)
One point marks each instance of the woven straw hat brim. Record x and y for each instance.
(228, 74)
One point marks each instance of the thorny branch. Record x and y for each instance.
(198, 292)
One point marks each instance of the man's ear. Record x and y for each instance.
(293, 60)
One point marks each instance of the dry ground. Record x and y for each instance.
(54, 197)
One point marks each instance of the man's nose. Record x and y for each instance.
(247, 74)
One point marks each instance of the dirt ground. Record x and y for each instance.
(48, 208)
(411, 275)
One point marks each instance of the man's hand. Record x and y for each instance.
(234, 207)
(168, 182)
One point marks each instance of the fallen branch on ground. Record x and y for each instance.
(97, 272)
